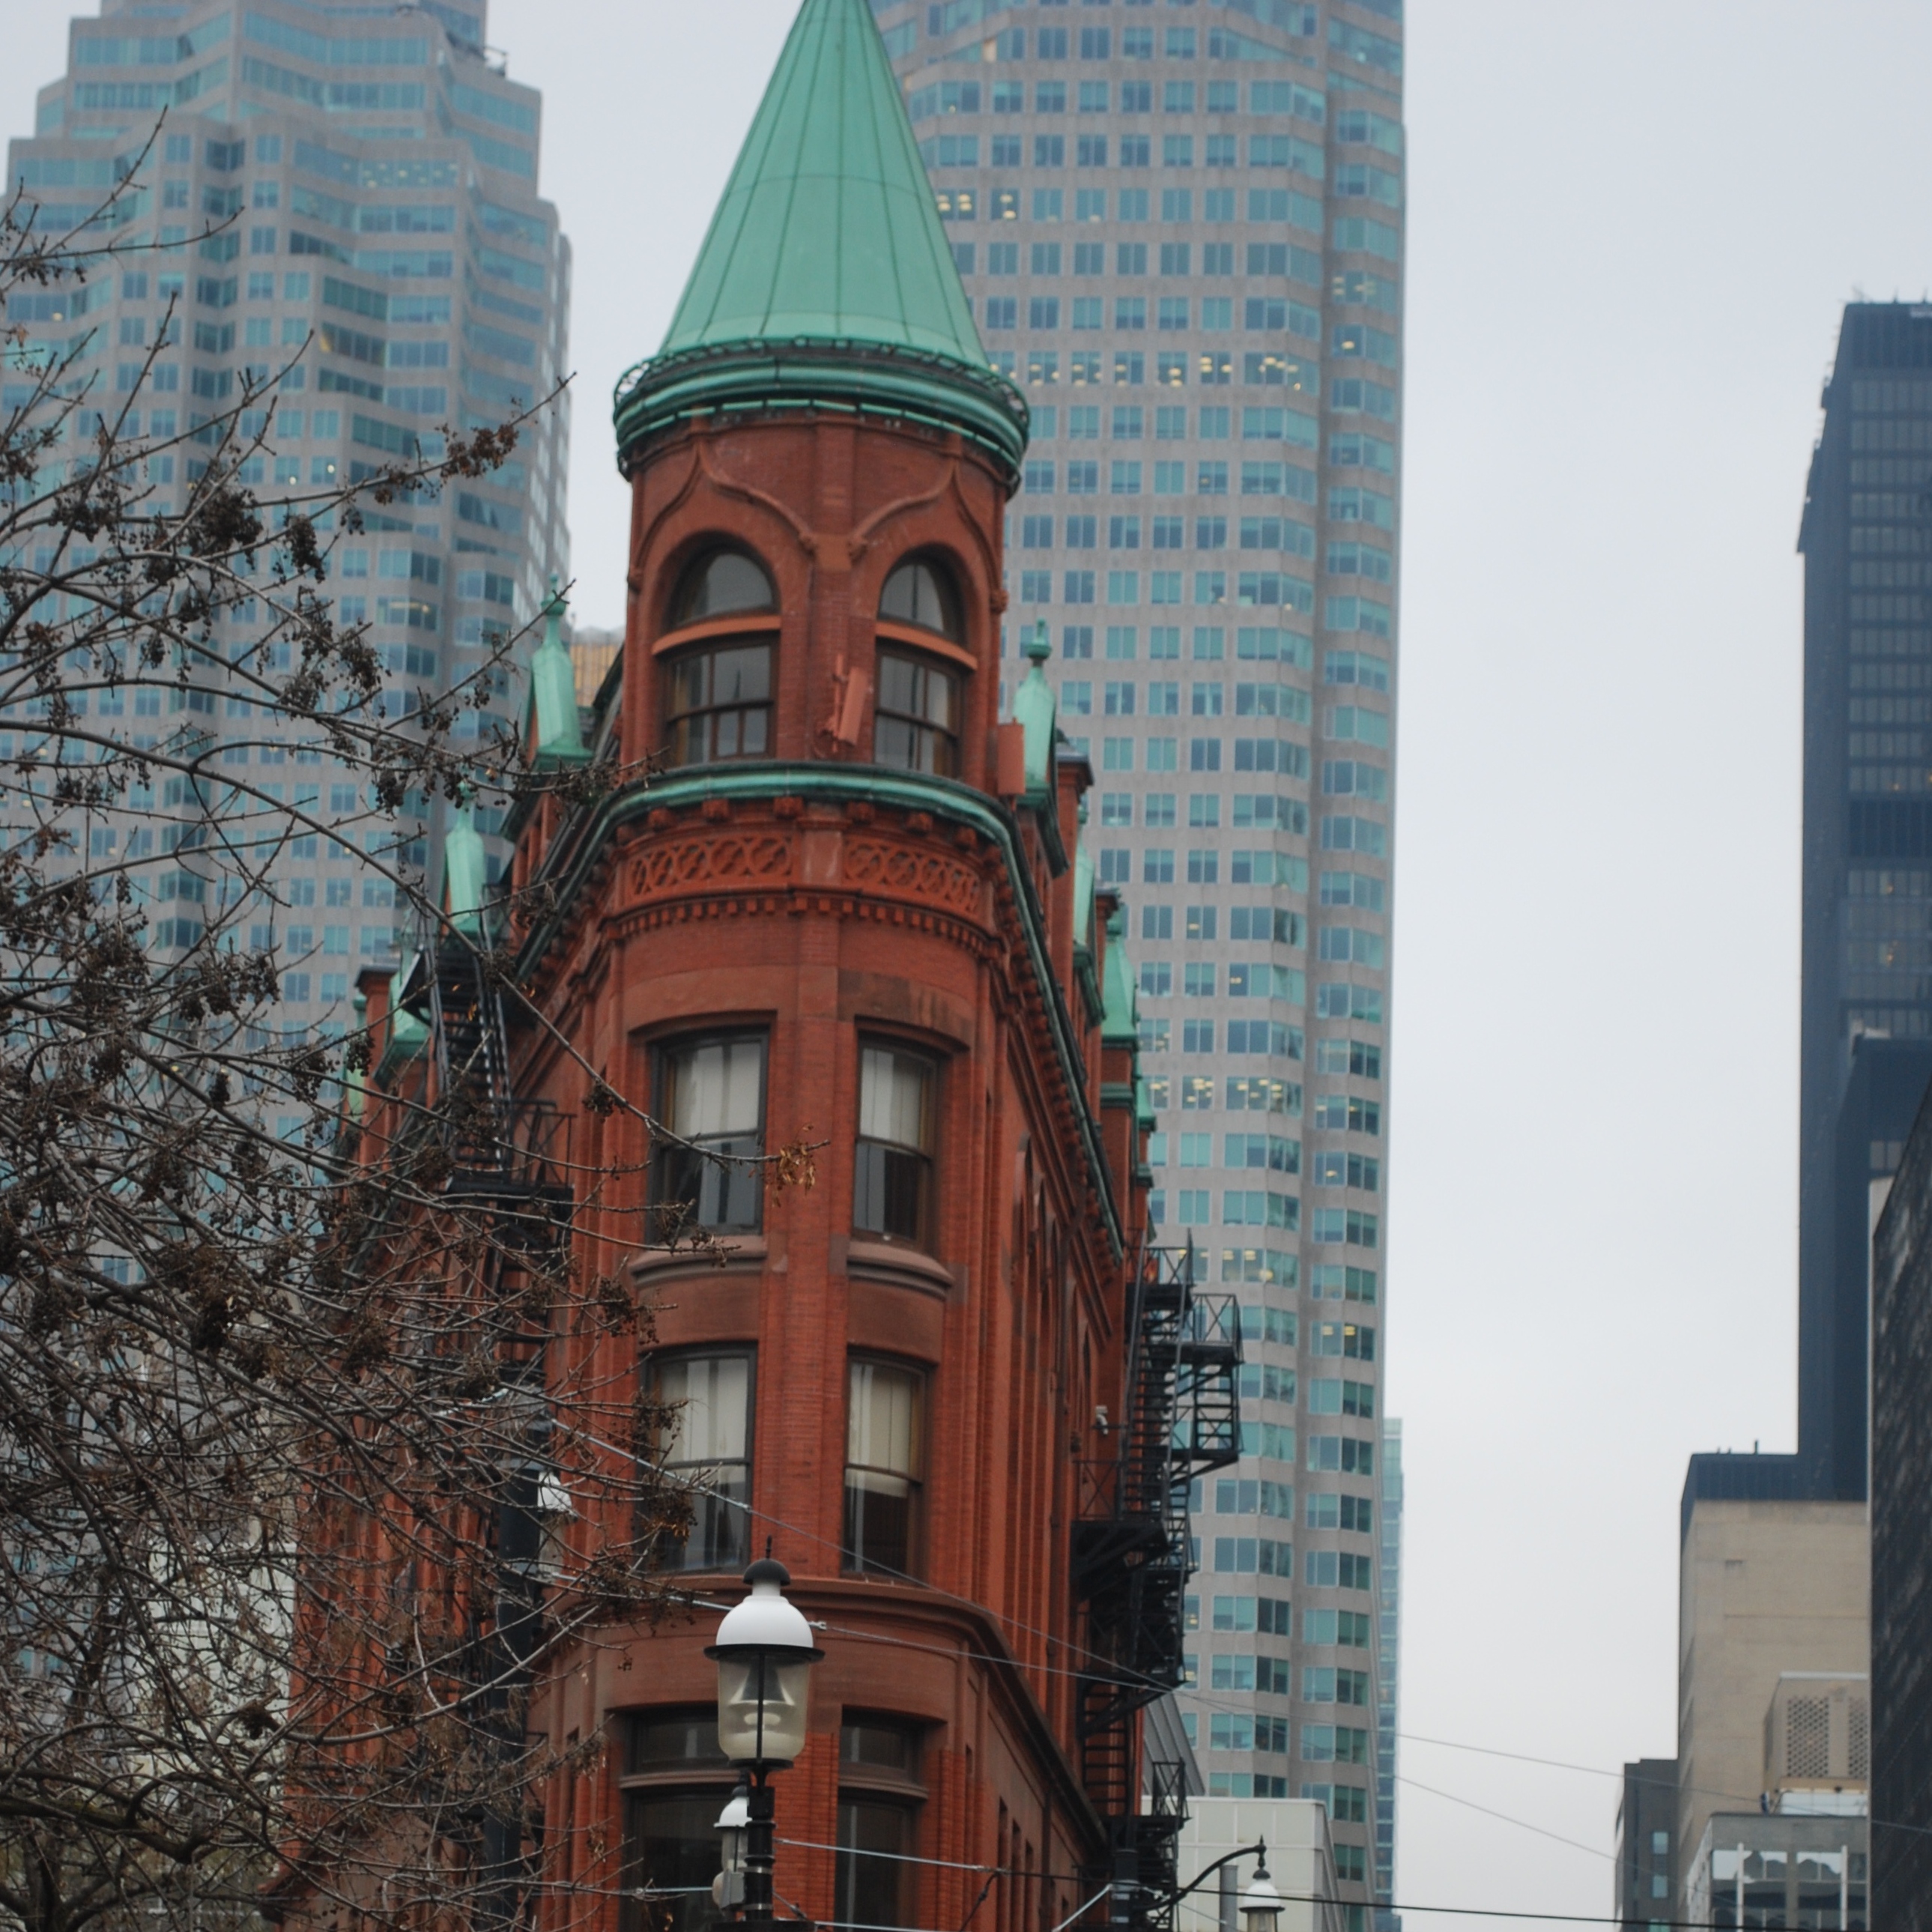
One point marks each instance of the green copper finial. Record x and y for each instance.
(1120, 1025)
(1034, 708)
(826, 276)
(464, 873)
(1083, 888)
(556, 737)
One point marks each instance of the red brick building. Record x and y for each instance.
(849, 910)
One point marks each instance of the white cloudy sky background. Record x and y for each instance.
(1632, 227)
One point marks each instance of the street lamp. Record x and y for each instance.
(1261, 1904)
(764, 1654)
(727, 1888)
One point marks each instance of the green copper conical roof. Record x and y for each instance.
(826, 276)
(827, 227)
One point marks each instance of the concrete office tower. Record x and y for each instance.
(1646, 1836)
(371, 175)
(1181, 229)
(1867, 958)
(1772, 1621)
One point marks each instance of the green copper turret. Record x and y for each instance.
(826, 279)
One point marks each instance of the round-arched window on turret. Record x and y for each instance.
(720, 584)
(920, 592)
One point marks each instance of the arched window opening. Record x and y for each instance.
(719, 584)
(920, 592)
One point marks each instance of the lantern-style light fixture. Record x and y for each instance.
(764, 1654)
(1261, 1902)
(733, 1827)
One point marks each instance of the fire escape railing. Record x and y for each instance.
(1131, 1555)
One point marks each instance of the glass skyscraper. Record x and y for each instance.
(1181, 226)
(363, 180)
(1867, 1008)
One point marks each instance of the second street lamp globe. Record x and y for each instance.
(1261, 1902)
(764, 1654)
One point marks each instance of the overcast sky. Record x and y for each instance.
(1632, 227)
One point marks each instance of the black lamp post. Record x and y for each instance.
(764, 1654)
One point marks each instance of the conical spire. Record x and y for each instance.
(826, 276)
(827, 229)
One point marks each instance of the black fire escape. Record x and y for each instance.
(1131, 1561)
(506, 1163)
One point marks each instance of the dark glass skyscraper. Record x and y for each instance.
(1867, 540)
(1181, 227)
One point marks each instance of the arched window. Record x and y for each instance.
(718, 584)
(920, 592)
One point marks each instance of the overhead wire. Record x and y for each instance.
(1195, 1694)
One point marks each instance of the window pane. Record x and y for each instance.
(916, 593)
(874, 1841)
(662, 1741)
(717, 703)
(712, 1093)
(892, 1093)
(720, 584)
(916, 729)
(740, 675)
(707, 1445)
(891, 1170)
(711, 1396)
(883, 1429)
(882, 1458)
(718, 1089)
(883, 1747)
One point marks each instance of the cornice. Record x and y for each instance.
(713, 788)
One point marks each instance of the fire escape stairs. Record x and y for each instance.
(1131, 1561)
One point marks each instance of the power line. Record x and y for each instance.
(1522, 1824)
(1740, 1798)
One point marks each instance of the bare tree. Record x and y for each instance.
(227, 1305)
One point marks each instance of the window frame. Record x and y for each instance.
(886, 1788)
(703, 1780)
(664, 1053)
(734, 1560)
(709, 642)
(924, 1238)
(852, 1557)
(922, 658)
(953, 603)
